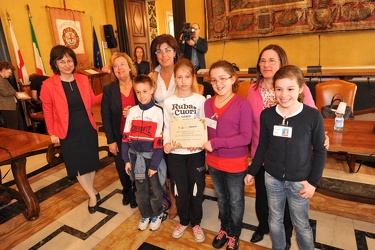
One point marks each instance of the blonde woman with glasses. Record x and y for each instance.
(118, 98)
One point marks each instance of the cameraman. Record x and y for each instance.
(194, 48)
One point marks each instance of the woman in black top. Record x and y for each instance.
(140, 62)
(118, 97)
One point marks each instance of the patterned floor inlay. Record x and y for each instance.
(77, 229)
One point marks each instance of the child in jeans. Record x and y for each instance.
(230, 119)
(186, 165)
(142, 151)
(294, 162)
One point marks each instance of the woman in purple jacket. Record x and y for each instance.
(228, 117)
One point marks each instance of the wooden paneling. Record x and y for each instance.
(138, 26)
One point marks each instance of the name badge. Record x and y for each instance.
(282, 131)
(211, 123)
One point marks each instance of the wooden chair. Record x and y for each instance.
(244, 88)
(201, 89)
(324, 92)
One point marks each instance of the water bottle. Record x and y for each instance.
(339, 119)
(339, 122)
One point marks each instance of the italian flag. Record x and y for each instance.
(38, 58)
(22, 72)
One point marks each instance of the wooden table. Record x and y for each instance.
(343, 73)
(19, 144)
(95, 79)
(357, 138)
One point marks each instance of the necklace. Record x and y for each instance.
(126, 84)
(69, 81)
(226, 98)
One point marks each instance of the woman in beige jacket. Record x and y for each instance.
(8, 102)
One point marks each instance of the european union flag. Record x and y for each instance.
(97, 56)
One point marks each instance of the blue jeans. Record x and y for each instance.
(277, 193)
(229, 188)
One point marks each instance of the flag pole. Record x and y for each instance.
(8, 17)
(40, 70)
(22, 72)
(28, 11)
(104, 56)
(98, 60)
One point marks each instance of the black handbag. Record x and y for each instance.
(329, 111)
(3, 122)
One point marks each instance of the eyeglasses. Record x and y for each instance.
(166, 51)
(10, 71)
(219, 80)
(122, 64)
(62, 62)
(271, 61)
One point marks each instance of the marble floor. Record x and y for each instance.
(64, 222)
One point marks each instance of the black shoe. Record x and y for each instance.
(232, 243)
(133, 204)
(125, 200)
(287, 246)
(97, 197)
(220, 239)
(256, 237)
(94, 208)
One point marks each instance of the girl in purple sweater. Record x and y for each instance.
(229, 119)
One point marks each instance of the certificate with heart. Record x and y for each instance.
(191, 133)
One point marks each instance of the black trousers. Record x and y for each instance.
(11, 118)
(261, 208)
(187, 175)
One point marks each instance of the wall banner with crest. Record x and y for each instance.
(67, 29)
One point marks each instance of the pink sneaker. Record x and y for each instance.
(198, 233)
(178, 231)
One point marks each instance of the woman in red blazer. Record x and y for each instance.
(67, 98)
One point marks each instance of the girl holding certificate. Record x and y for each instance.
(229, 119)
(186, 165)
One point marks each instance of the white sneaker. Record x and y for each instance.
(143, 224)
(198, 233)
(156, 222)
(178, 231)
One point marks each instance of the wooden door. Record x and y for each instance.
(138, 26)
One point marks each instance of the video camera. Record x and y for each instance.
(186, 32)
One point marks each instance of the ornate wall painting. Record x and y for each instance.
(238, 19)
